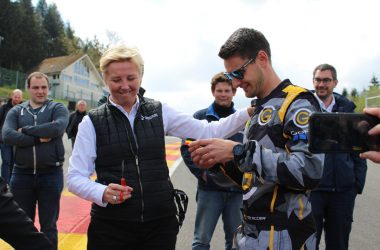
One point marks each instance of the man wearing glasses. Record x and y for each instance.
(343, 174)
(278, 169)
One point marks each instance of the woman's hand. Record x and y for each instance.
(116, 193)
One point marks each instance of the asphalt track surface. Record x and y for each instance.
(74, 216)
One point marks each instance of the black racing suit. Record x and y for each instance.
(279, 172)
(16, 228)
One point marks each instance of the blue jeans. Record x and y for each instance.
(42, 189)
(210, 205)
(6, 161)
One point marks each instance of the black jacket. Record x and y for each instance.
(3, 113)
(342, 171)
(74, 119)
(50, 122)
(143, 153)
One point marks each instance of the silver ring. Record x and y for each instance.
(114, 198)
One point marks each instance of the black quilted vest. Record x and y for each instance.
(145, 168)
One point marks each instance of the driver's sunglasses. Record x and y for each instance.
(239, 73)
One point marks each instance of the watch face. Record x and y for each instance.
(238, 150)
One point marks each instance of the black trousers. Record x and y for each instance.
(333, 213)
(104, 234)
(16, 228)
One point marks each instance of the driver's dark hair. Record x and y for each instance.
(245, 43)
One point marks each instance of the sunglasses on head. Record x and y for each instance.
(239, 73)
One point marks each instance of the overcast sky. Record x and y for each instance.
(180, 40)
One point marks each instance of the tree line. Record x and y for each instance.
(30, 34)
(354, 92)
(359, 97)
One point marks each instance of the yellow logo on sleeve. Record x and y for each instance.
(265, 115)
(301, 118)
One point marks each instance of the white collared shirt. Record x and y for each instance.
(178, 124)
(132, 114)
(328, 108)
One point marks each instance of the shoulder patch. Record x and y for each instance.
(301, 118)
(292, 92)
(265, 115)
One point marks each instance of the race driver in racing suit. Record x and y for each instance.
(274, 165)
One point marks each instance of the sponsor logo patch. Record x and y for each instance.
(148, 117)
(301, 118)
(266, 115)
(299, 135)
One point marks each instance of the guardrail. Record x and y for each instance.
(12, 78)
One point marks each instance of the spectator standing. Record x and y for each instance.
(36, 128)
(7, 150)
(212, 199)
(274, 166)
(343, 173)
(74, 119)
